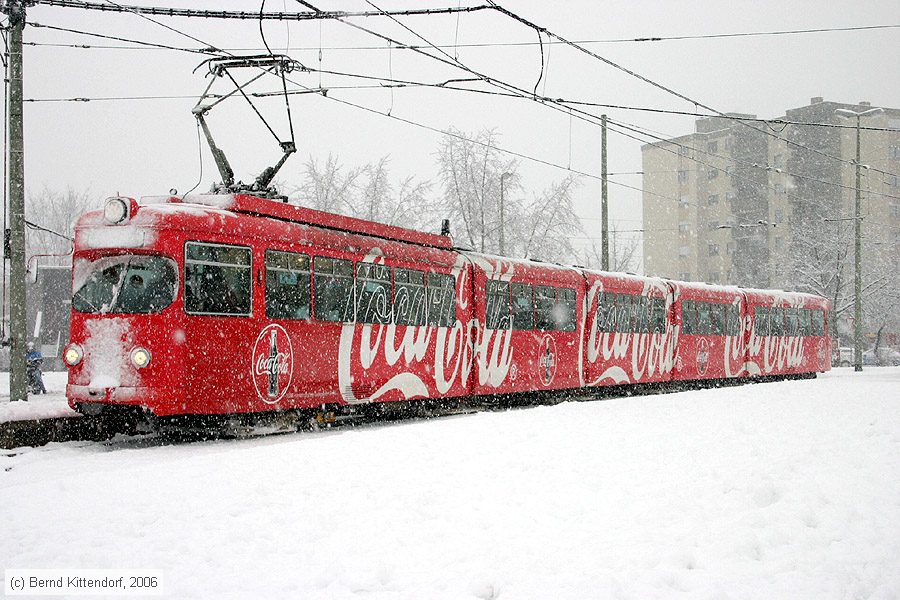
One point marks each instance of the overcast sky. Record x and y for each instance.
(148, 146)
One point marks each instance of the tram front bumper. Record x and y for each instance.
(160, 401)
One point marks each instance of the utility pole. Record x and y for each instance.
(503, 214)
(604, 199)
(857, 231)
(17, 384)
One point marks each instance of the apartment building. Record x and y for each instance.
(771, 205)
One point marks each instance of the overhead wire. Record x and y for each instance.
(656, 84)
(452, 60)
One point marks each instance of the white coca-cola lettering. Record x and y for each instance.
(651, 353)
(776, 352)
(734, 347)
(278, 364)
(457, 349)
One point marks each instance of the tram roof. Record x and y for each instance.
(253, 205)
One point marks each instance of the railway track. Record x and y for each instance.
(114, 433)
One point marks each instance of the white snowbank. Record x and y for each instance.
(778, 491)
(43, 406)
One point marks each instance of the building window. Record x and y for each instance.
(895, 210)
(713, 224)
(779, 216)
(683, 150)
(714, 277)
(685, 276)
(712, 147)
(684, 227)
(779, 243)
(729, 196)
(713, 249)
(684, 202)
(713, 199)
(895, 152)
(893, 181)
(779, 189)
(684, 251)
(682, 176)
(712, 173)
(778, 161)
(730, 247)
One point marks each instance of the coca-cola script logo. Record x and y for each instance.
(702, 356)
(272, 363)
(547, 360)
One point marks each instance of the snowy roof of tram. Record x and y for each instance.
(253, 205)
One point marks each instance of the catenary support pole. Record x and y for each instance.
(857, 261)
(604, 198)
(17, 383)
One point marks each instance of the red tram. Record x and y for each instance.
(230, 304)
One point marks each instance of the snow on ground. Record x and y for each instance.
(39, 406)
(784, 490)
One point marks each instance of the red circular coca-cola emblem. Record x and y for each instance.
(547, 360)
(703, 356)
(272, 363)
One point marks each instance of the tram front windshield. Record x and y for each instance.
(125, 284)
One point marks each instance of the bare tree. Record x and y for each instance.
(51, 216)
(623, 253)
(365, 192)
(477, 178)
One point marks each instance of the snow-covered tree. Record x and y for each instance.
(365, 192)
(476, 176)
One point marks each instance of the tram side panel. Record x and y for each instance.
(786, 333)
(627, 335)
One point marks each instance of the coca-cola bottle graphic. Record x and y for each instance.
(273, 365)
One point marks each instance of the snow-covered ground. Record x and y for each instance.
(40, 406)
(782, 490)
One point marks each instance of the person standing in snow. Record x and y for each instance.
(33, 361)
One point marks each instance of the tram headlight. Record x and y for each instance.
(140, 357)
(73, 354)
(116, 210)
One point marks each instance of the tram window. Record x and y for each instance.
(761, 320)
(566, 309)
(817, 325)
(441, 300)
(732, 320)
(717, 317)
(287, 285)
(688, 317)
(606, 319)
(643, 321)
(704, 320)
(125, 284)
(217, 279)
(523, 306)
(496, 305)
(804, 322)
(373, 293)
(544, 304)
(792, 322)
(333, 288)
(776, 326)
(623, 307)
(659, 315)
(409, 297)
